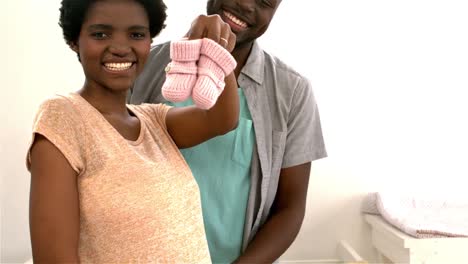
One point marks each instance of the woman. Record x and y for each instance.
(108, 184)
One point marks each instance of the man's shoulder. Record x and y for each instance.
(287, 81)
(160, 47)
(281, 67)
(158, 58)
(147, 87)
(161, 50)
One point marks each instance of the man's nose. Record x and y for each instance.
(246, 5)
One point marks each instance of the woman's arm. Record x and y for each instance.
(189, 126)
(53, 206)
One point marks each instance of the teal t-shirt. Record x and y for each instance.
(221, 167)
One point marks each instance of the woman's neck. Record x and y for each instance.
(106, 101)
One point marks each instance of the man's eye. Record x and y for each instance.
(268, 3)
(99, 35)
(138, 35)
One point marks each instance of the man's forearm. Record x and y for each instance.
(274, 237)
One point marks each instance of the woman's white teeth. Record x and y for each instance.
(118, 66)
(234, 19)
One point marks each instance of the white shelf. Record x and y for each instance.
(398, 247)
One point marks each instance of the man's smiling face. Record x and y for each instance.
(248, 19)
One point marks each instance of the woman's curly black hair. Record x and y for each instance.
(72, 14)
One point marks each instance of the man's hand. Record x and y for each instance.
(285, 220)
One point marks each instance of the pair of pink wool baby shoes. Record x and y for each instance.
(197, 69)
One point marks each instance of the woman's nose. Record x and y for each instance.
(119, 49)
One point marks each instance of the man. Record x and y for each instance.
(253, 181)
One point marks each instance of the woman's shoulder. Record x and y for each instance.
(60, 103)
(59, 121)
(61, 110)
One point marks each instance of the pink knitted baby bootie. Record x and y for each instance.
(181, 72)
(214, 64)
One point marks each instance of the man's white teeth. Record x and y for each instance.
(118, 66)
(234, 19)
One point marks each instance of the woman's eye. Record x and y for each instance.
(138, 35)
(99, 35)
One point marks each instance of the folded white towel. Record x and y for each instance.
(422, 216)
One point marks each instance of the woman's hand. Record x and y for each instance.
(212, 27)
(190, 126)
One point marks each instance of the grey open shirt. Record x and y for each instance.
(285, 117)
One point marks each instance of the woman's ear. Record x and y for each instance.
(73, 46)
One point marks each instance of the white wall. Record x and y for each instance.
(390, 77)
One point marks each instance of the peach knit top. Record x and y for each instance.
(139, 202)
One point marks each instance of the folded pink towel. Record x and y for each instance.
(181, 73)
(214, 64)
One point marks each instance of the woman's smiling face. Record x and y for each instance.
(114, 43)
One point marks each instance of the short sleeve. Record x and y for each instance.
(155, 113)
(304, 141)
(60, 123)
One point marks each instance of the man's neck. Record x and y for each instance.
(241, 54)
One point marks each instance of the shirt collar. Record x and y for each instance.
(254, 67)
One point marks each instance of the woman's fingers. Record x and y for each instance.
(228, 41)
(212, 27)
